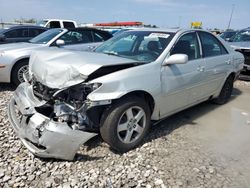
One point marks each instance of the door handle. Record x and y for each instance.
(201, 68)
(228, 62)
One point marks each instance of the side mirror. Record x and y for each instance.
(60, 42)
(2, 37)
(176, 59)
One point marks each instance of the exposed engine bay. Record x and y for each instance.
(58, 118)
(68, 105)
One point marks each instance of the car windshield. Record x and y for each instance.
(42, 22)
(46, 36)
(242, 36)
(226, 35)
(143, 46)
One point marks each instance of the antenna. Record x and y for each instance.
(229, 23)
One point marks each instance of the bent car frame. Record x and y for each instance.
(129, 80)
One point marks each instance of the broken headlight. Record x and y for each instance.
(76, 94)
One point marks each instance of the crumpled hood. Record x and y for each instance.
(18, 46)
(240, 45)
(59, 68)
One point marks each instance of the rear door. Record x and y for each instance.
(218, 62)
(181, 82)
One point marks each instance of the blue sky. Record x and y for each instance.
(163, 13)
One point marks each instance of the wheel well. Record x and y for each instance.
(95, 113)
(145, 95)
(16, 63)
(232, 74)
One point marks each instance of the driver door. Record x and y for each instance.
(180, 82)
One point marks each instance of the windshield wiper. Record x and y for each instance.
(111, 53)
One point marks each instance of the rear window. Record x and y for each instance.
(211, 46)
(69, 24)
(100, 36)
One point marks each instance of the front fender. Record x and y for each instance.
(115, 85)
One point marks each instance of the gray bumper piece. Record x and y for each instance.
(42, 136)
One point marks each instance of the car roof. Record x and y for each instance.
(246, 29)
(27, 26)
(83, 28)
(168, 30)
(54, 19)
(157, 30)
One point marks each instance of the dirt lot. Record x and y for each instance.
(205, 146)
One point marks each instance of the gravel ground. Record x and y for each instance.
(167, 158)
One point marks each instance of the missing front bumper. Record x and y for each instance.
(41, 135)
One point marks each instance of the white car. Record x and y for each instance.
(133, 78)
(57, 23)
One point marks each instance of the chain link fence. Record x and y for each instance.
(9, 24)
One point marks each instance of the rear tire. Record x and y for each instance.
(18, 70)
(226, 91)
(125, 124)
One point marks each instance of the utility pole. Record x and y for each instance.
(229, 23)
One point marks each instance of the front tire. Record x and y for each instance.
(226, 91)
(125, 124)
(18, 71)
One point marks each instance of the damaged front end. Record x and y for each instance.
(51, 122)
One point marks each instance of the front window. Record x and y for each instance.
(75, 37)
(45, 37)
(187, 44)
(143, 46)
(242, 36)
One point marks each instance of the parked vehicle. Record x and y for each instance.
(71, 96)
(14, 58)
(57, 23)
(21, 33)
(241, 43)
(227, 35)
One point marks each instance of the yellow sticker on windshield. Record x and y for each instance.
(159, 35)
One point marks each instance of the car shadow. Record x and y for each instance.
(78, 157)
(7, 87)
(166, 126)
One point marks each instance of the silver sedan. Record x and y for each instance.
(133, 78)
(14, 57)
